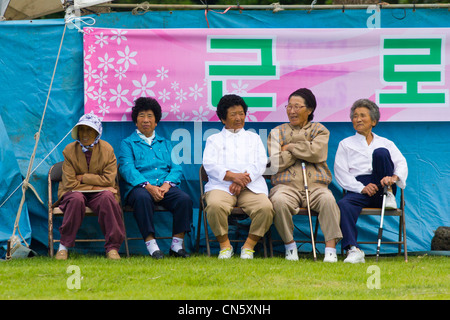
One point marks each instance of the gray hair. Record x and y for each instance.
(374, 111)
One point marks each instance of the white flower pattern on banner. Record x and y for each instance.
(89, 72)
(200, 115)
(127, 112)
(195, 92)
(103, 109)
(175, 85)
(101, 40)
(164, 95)
(86, 59)
(120, 73)
(143, 87)
(175, 108)
(239, 88)
(88, 91)
(119, 35)
(91, 49)
(100, 79)
(181, 95)
(250, 117)
(127, 57)
(106, 63)
(162, 73)
(119, 96)
(183, 117)
(118, 68)
(99, 95)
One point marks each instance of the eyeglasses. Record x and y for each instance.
(296, 107)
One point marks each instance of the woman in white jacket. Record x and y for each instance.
(365, 163)
(235, 160)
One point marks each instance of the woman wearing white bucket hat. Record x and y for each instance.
(89, 179)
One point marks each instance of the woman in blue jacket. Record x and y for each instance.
(152, 177)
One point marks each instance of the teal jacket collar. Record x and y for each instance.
(135, 138)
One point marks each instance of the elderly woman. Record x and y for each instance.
(89, 179)
(152, 177)
(235, 160)
(365, 163)
(290, 144)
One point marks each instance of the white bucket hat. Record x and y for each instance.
(90, 120)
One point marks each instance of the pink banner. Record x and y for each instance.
(405, 71)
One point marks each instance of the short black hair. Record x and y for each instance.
(228, 101)
(310, 100)
(143, 104)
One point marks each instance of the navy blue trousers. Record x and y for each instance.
(352, 203)
(175, 200)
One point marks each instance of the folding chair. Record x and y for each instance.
(129, 208)
(54, 178)
(236, 215)
(157, 208)
(400, 213)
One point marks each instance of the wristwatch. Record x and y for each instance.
(170, 183)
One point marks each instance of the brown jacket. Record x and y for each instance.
(308, 144)
(102, 168)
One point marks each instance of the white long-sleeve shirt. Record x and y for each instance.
(238, 152)
(354, 158)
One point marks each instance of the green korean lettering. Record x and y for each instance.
(265, 69)
(413, 77)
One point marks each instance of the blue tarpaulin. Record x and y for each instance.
(28, 51)
(10, 179)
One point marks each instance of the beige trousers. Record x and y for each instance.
(286, 199)
(257, 206)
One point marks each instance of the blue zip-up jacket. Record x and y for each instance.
(140, 162)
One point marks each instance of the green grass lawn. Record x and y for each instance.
(202, 277)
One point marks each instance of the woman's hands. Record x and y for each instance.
(372, 188)
(239, 181)
(158, 192)
(112, 189)
(389, 181)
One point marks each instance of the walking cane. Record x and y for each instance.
(380, 229)
(309, 212)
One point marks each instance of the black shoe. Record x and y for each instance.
(181, 253)
(158, 254)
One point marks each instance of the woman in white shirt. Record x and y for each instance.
(235, 160)
(364, 164)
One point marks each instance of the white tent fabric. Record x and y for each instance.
(3, 5)
(32, 9)
(78, 4)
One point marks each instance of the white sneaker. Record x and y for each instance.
(390, 203)
(226, 253)
(330, 257)
(292, 254)
(355, 255)
(246, 253)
